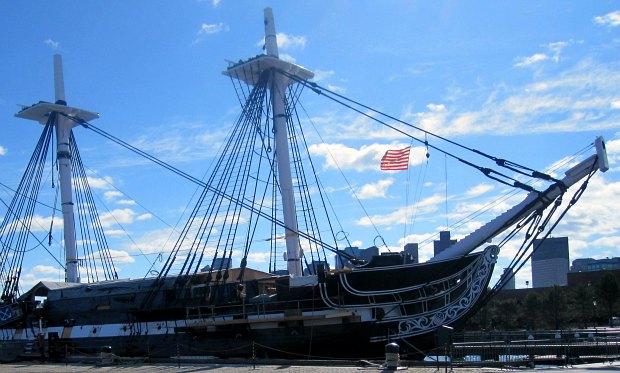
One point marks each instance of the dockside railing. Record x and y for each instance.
(553, 347)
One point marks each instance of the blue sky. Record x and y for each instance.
(530, 81)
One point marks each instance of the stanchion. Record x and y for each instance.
(392, 358)
(178, 353)
(253, 356)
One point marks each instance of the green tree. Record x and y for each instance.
(582, 306)
(555, 307)
(479, 321)
(505, 314)
(531, 311)
(607, 293)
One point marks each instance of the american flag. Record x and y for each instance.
(395, 160)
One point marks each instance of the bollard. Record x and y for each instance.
(106, 355)
(392, 358)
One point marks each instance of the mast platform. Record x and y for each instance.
(41, 111)
(249, 71)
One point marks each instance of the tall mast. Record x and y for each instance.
(41, 112)
(63, 157)
(278, 90)
(249, 72)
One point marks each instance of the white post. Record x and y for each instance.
(63, 135)
(278, 89)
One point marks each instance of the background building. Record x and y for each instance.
(412, 249)
(443, 243)
(313, 269)
(589, 264)
(510, 283)
(550, 262)
(365, 254)
(219, 264)
(590, 271)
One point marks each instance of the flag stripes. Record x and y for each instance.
(395, 160)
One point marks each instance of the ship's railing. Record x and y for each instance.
(255, 308)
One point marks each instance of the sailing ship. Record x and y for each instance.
(257, 188)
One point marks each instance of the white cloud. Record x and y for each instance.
(181, 141)
(287, 57)
(323, 75)
(115, 232)
(356, 243)
(464, 123)
(38, 224)
(216, 3)
(258, 257)
(112, 194)
(53, 44)
(212, 28)
(528, 61)
(557, 48)
(41, 272)
(340, 156)
(46, 270)
(578, 99)
(374, 190)
(610, 19)
(209, 29)
(286, 42)
(156, 241)
(118, 216)
(436, 107)
(441, 120)
(584, 97)
(2, 150)
(613, 151)
(100, 182)
(126, 202)
(337, 89)
(425, 242)
(320, 75)
(146, 216)
(121, 256)
(609, 241)
(403, 214)
(434, 120)
(479, 190)
(338, 126)
(367, 157)
(595, 214)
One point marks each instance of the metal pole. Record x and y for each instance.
(63, 155)
(278, 103)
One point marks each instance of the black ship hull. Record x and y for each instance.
(343, 314)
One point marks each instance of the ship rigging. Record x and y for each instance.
(263, 184)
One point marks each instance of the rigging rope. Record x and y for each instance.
(21, 214)
(206, 185)
(490, 173)
(90, 224)
(537, 226)
(40, 242)
(16, 227)
(234, 193)
(349, 186)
